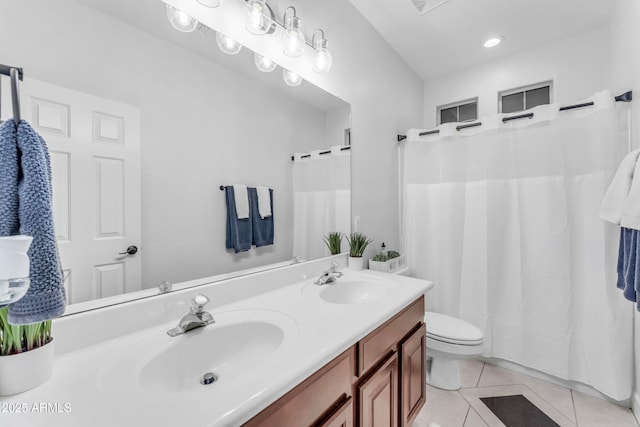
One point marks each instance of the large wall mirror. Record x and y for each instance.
(144, 124)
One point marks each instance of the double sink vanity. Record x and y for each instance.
(280, 351)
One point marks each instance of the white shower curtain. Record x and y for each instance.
(321, 200)
(504, 219)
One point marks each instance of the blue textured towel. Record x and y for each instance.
(629, 264)
(26, 208)
(262, 227)
(239, 233)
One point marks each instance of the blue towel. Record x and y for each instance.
(25, 177)
(239, 235)
(629, 264)
(262, 227)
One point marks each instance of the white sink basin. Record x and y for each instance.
(351, 291)
(234, 346)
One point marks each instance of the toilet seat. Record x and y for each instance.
(450, 330)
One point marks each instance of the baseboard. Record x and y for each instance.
(635, 405)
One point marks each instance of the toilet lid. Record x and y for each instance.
(450, 329)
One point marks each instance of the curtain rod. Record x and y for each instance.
(625, 97)
(306, 156)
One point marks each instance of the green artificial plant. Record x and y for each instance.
(333, 242)
(16, 339)
(357, 244)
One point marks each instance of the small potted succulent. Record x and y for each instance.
(333, 242)
(358, 242)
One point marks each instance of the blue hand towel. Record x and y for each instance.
(25, 176)
(239, 233)
(262, 227)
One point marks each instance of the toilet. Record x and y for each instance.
(449, 339)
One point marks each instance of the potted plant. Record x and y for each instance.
(333, 242)
(357, 244)
(26, 355)
(387, 262)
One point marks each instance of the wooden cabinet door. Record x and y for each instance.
(378, 396)
(343, 417)
(412, 376)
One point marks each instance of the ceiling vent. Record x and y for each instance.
(424, 6)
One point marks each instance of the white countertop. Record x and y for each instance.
(82, 391)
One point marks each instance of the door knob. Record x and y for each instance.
(131, 250)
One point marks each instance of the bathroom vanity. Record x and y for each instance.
(283, 351)
(380, 381)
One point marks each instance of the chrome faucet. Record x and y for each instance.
(196, 318)
(329, 276)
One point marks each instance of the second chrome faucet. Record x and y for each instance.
(196, 318)
(330, 275)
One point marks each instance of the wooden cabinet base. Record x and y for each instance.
(383, 386)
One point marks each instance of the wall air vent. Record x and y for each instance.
(424, 6)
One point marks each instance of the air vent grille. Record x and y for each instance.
(424, 6)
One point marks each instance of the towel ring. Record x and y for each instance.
(15, 95)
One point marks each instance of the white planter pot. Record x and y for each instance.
(24, 371)
(355, 263)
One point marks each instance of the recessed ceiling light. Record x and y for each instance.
(493, 41)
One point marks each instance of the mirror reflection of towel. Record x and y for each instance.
(262, 227)
(242, 201)
(239, 232)
(264, 201)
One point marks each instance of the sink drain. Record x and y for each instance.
(208, 378)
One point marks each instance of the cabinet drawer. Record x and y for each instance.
(314, 399)
(378, 344)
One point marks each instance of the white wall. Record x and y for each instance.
(202, 126)
(336, 121)
(578, 67)
(625, 75)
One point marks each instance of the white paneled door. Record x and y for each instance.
(94, 145)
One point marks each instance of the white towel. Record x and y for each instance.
(242, 200)
(615, 199)
(264, 202)
(631, 209)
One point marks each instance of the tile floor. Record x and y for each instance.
(567, 408)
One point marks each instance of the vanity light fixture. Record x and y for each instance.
(180, 20)
(291, 78)
(210, 3)
(258, 22)
(227, 44)
(322, 60)
(494, 41)
(294, 41)
(263, 63)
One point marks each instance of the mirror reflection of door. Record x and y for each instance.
(94, 145)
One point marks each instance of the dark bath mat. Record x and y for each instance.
(517, 411)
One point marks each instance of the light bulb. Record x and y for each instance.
(180, 20)
(263, 63)
(227, 44)
(291, 78)
(210, 3)
(293, 38)
(257, 22)
(322, 59)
